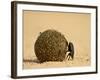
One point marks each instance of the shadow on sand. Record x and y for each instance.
(30, 60)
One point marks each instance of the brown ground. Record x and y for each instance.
(78, 61)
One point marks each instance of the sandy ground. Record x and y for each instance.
(78, 61)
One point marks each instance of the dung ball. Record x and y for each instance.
(50, 45)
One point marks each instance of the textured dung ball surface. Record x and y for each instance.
(51, 46)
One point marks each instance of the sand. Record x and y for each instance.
(77, 61)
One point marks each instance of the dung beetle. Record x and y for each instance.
(70, 51)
